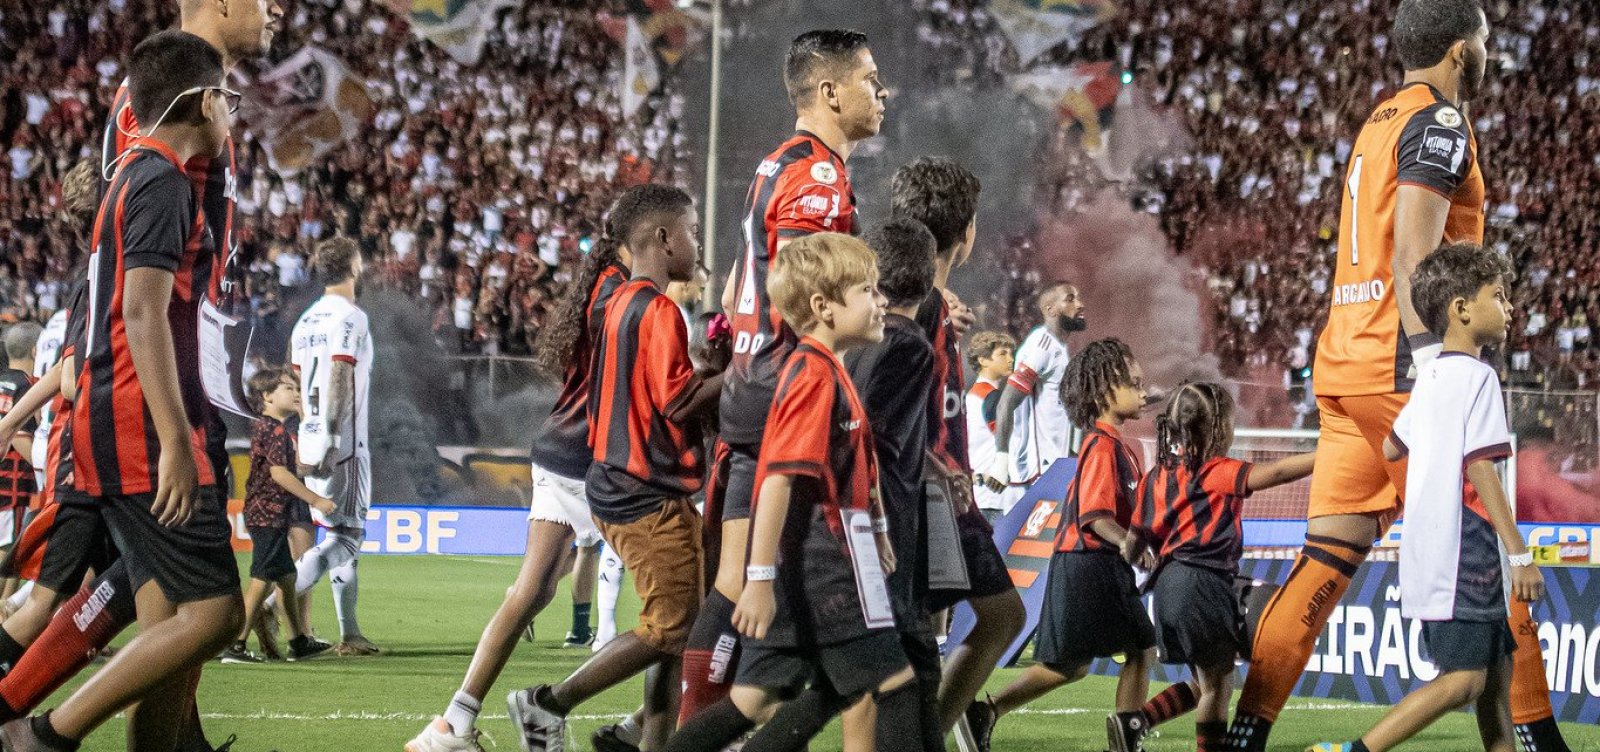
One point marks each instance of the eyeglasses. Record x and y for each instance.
(229, 95)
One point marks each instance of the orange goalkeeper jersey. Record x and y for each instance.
(1414, 138)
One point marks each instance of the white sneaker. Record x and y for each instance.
(538, 729)
(439, 737)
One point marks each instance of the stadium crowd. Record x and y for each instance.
(456, 196)
(1272, 92)
(485, 230)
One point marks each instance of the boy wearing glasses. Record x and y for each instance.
(139, 433)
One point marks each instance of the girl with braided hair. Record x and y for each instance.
(1091, 604)
(1189, 511)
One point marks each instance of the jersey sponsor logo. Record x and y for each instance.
(824, 173)
(816, 201)
(1442, 148)
(849, 425)
(768, 168)
(1448, 117)
(1369, 291)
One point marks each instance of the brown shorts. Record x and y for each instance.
(663, 552)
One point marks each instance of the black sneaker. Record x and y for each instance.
(302, 648)
(237, 653)
(981, 718)
(578, 641)
(605, 740)
(1125, 731)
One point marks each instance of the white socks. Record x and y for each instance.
(462, 713)
(609, 590)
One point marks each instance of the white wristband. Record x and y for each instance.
(760, 574)
(1524, 559)
(880, 524)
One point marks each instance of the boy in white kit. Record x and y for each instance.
(1451, 433)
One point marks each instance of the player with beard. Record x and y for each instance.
(800, 189)
(1412, 182)
(1031, 428)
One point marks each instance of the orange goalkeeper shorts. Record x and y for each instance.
(1351, 476)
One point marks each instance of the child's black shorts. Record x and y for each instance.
(852, 668)
(190, 562)
(1458, 645)
(298, 513)
(1197, 615)
(1091, 610)
(986, 568)
(271, 560)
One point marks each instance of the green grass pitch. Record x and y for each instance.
(427, 613)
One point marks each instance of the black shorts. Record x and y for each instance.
(987, 572)
(1458, 645)
(65, 541)
(851, 668)
(189, 562)
(298, 513)
(1197, 616)
(1091, 610)
(270, 560)
(741, 494)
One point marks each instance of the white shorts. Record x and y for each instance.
(564, 501)
(10, 520)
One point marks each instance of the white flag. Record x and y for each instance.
(1035, 26)
(640, 74)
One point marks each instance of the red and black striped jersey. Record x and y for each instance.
(1195, 518)
(214, 179)
(58, 454)
(1103, 488)
(947, 411)
(643, 371)
(562, 445)
(818, 433)
(16, 473)
(800, 189)
(148, 219)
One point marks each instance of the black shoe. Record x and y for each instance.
(1125, 731)
(302, 648)
(237, 653)
(577, 640)
(981, 718)
(605, 740)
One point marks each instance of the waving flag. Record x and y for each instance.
(1081, 95)
(305, 107)
(1035, 26)
(640, 74)
(456, 26)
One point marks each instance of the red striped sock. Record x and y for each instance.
(1173, 701)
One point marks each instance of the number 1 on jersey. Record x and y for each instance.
(1354, 184)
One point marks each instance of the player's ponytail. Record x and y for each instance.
(558, 342)
(1196, 426)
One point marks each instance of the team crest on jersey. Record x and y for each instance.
(1448, 117)
(824, 173)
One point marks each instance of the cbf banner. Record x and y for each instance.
(1035, 26)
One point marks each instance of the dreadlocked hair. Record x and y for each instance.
(1092, 378)
(558, 341)
(1196, 426)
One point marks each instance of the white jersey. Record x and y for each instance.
(1450, 563)
(334, 330)
(1040, 429)
(45, 353)
(980, 442)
